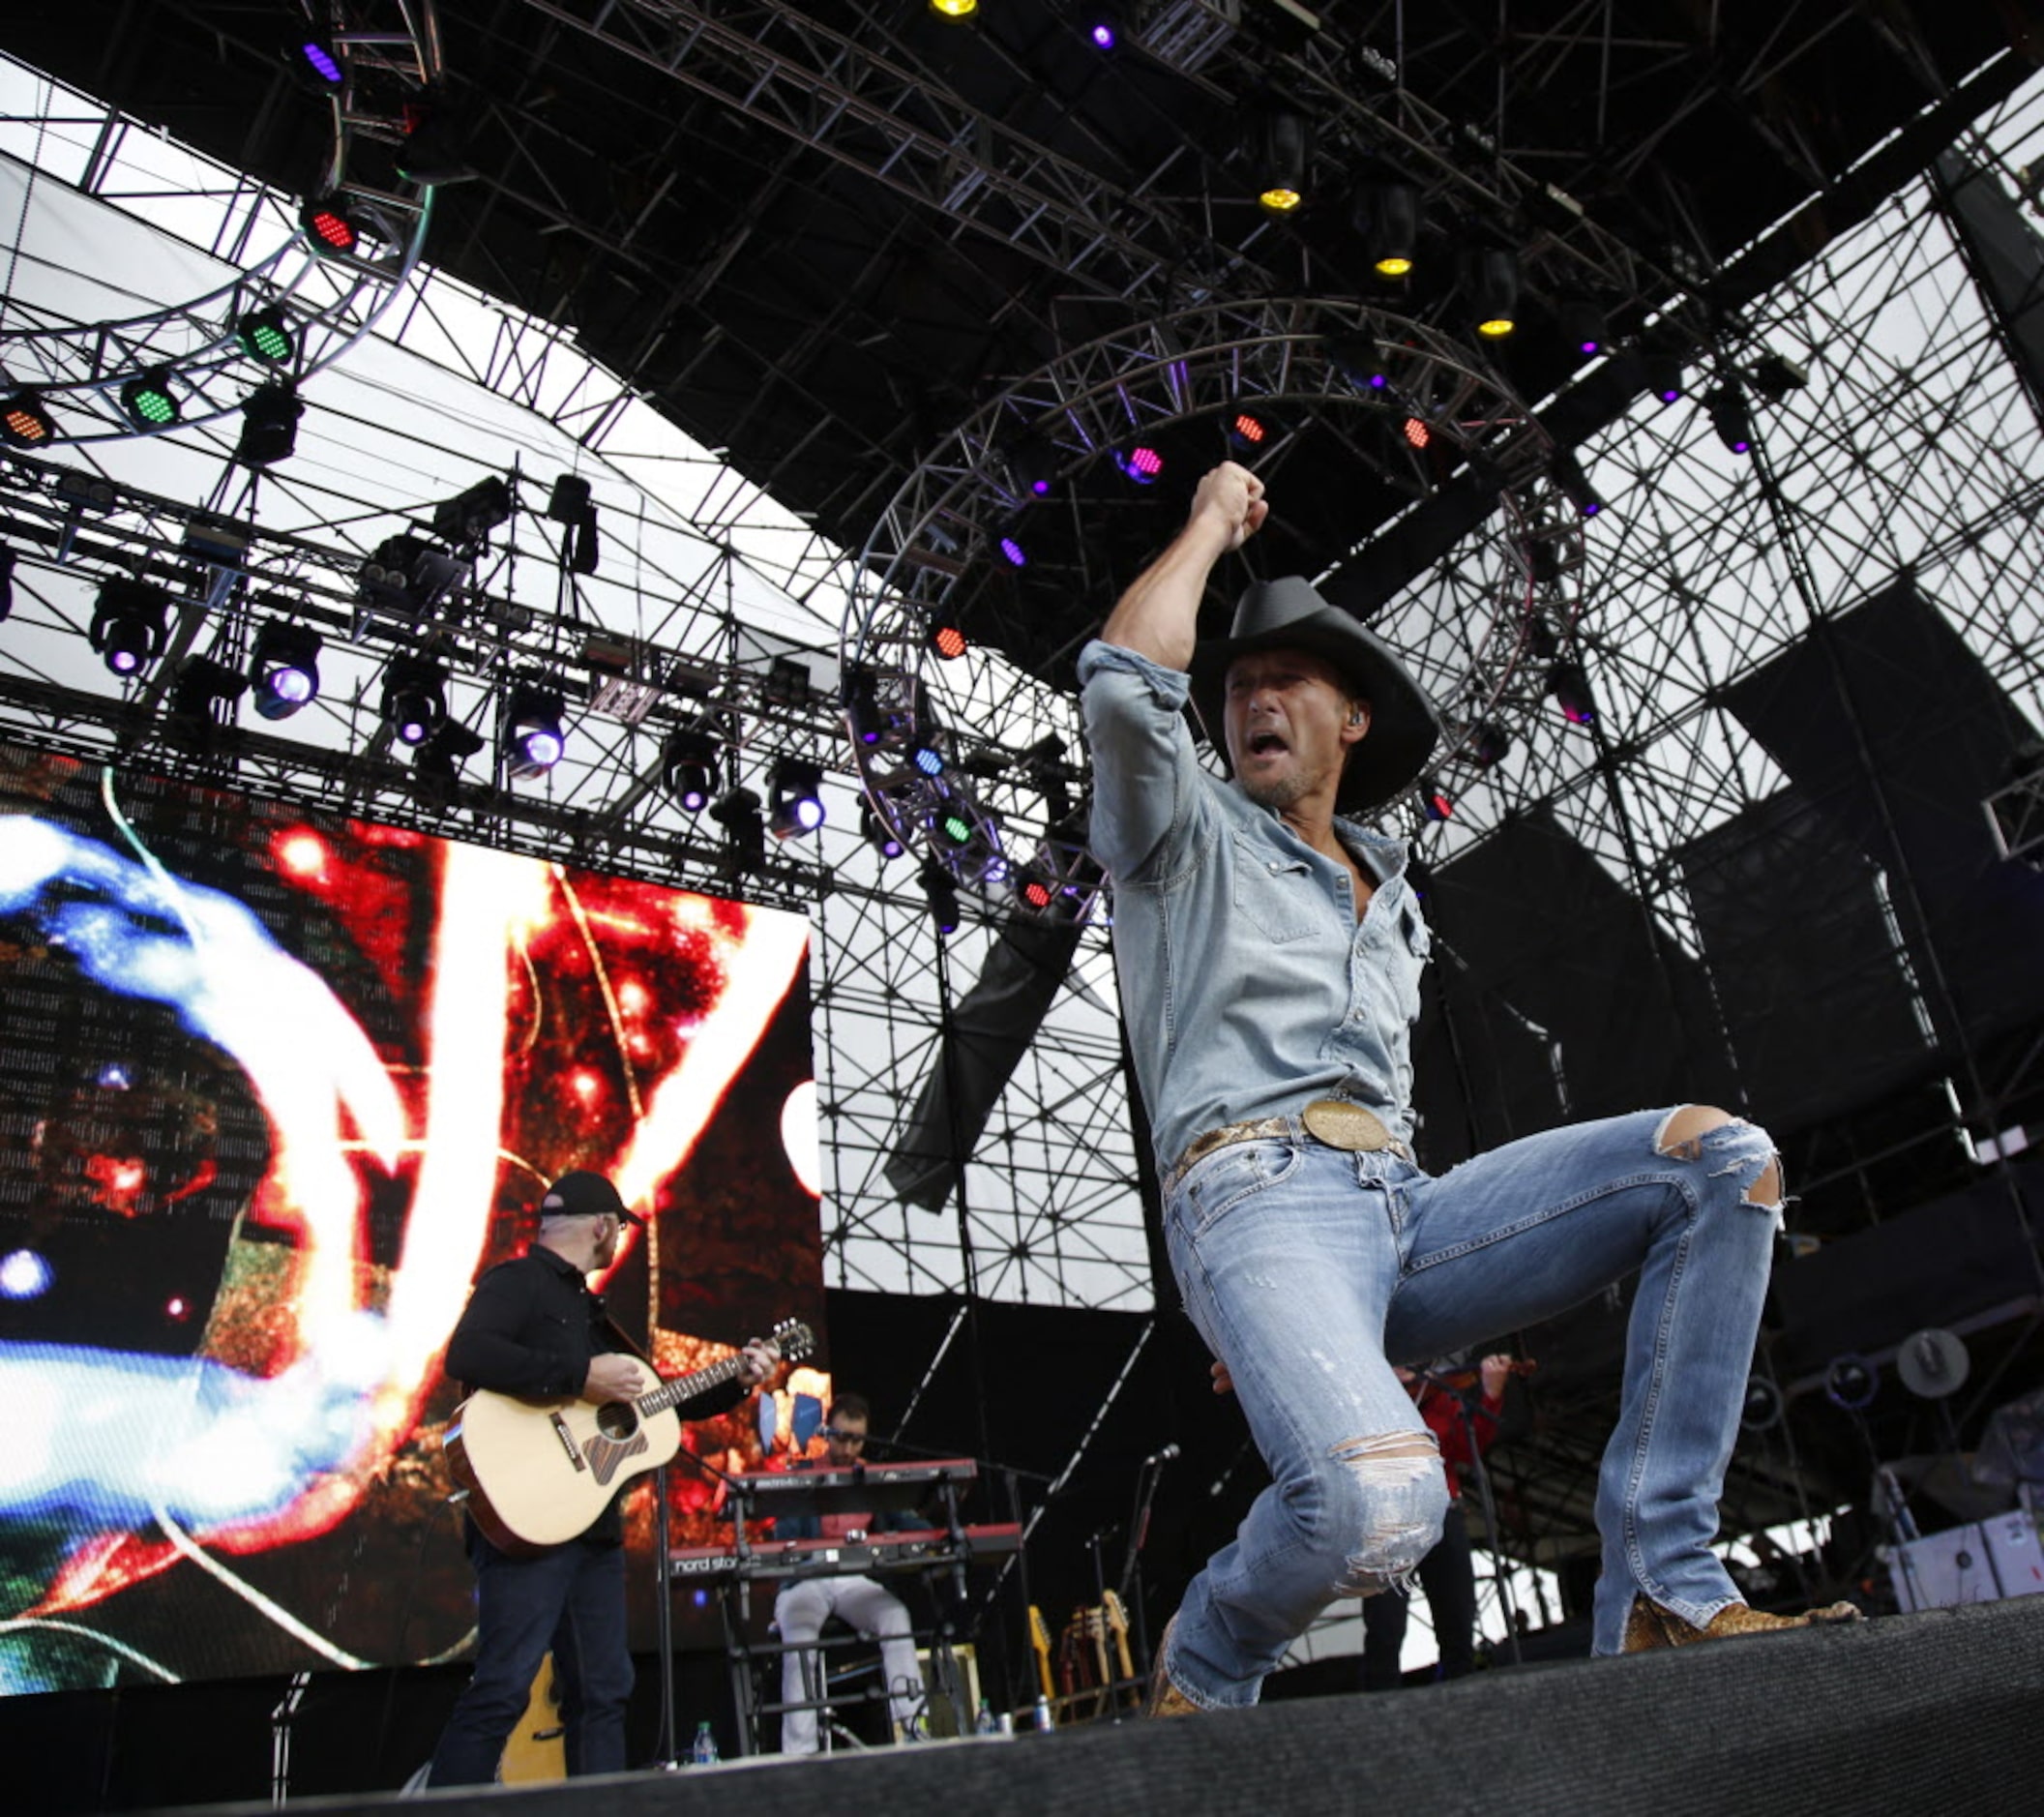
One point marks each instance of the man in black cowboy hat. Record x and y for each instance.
(532, 1327)
(1269, 950)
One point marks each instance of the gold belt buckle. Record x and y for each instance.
(1341, 1124)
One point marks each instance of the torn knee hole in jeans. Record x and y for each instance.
(1401, 1470)
(1745, 1151)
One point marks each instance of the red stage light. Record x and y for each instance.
(1418, 433)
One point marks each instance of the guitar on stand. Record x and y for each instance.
(539, 1472)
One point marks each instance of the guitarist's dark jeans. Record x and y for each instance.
(570, 1599)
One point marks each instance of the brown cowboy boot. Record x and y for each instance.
(1651, 1626)
(1165, 1699)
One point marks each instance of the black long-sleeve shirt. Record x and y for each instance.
(531, 1328)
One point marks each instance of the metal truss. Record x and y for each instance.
(902, 125)
(1048, 1206)
(944, 745)
(905, 129)
(1912, 450)
(325, 300)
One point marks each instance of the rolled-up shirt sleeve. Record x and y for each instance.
(1145, 771)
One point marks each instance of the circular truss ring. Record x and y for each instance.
(77, 369)
(974, 763)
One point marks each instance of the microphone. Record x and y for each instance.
(1163, 1456)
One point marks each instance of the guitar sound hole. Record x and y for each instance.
(617, 1419)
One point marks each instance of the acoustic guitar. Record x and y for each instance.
(539, 1472)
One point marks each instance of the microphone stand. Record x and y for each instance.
(1465, 1402)
(1132, 1561)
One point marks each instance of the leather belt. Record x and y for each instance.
(1334, 1122)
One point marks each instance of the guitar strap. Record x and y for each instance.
(625, 1343)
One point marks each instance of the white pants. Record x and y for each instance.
(800, 1610)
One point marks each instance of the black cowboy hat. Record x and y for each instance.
(1289, 614)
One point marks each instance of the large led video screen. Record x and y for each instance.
(275, 1086)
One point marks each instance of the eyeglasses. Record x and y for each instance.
(836, 1437)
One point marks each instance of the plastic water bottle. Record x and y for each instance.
(987, 1724)
(704, 1752)
(1044, 1719)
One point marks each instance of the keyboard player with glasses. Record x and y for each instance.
(805, 1604)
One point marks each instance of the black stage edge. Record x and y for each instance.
(1938, 1712)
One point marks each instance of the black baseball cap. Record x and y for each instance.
(582, 1194)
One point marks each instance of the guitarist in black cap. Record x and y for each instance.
(532, 1327)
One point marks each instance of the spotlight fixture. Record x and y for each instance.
(531, 739)
(128, 624)
(688, 768)
(24, 423)
(1575, 483)
(1251, 430)
(469, 516)
(1729, 416)
(1143, 463)
(149, 401)
(266, 335)
(940, 891)
(1663, 373)
(1581, 325)
(314, 60)
(955, 11)
(414, 699)
(861, 695)
(1355, 358)
(1013, 553)
(787, 682)
(436, 766)
(572, 504)
(1434, 802)
(203, 685)
(737, 812)
(1036, 887)
(944, 635)
(1417, 431)
(1490, 291)
(285, 665)
(1775, 375)
(1281, 146)
(409, 575)
(1570, 687)
(1385, 215)
(1105, 26)
(955, 824)
(1488, 744)
(436, 147)
(1032, 467)
(269, 426)
(875, 830)
(330, 227)
(796, 798)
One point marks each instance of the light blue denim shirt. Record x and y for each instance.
(1248, 987)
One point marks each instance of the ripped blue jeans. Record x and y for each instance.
(1308, 1271)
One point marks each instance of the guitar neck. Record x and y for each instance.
(687, 1388)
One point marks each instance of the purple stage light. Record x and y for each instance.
(1014, 551)
(1104, 35)
(322, 62)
